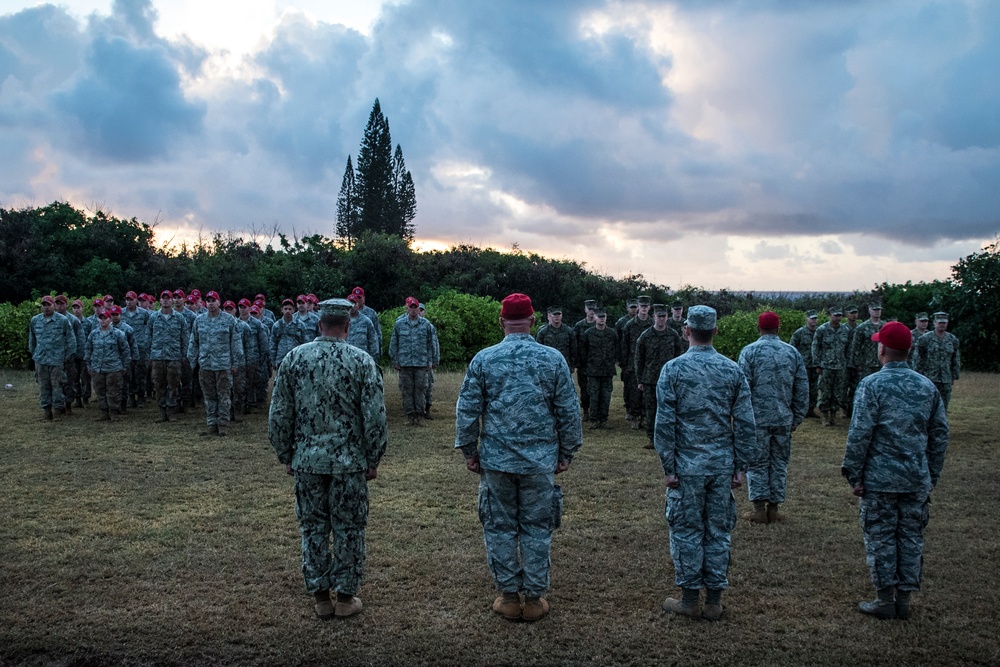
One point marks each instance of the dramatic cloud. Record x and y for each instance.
(706, 142)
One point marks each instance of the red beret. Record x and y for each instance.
(516, 307)
(768, 320)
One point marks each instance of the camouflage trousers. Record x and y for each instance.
(263, 377)
(137, 378)
(413, 387)
(86, 383)
(832, 390)
(649, 408)
(216, 387)
(893, 527)
(108, 389)
(813, 375)
(50, 385)
(768, 472)
(428, 398)
(584, 391)
(186, 381)
(239, 403)
(630, 393)
(944, 388)
(519, 514)
(701, 515)
(167, 381)
(600, 388)
(336, 504)
(71, 381)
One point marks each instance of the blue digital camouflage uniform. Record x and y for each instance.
(518, 404)
(829, 353)
(704, 434)
(258, 356)
(168, 342)
(107, 356)
(411, 351)
(370, 313)
(327, 420)
(138, 319)
(361, 335)
(895, 449)
(51, 343)
(309, 323)
(217, 348)
(285, 336)
(938, 359)
(779, 391)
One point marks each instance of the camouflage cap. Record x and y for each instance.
(702, 318)
(554, 310)
(940, 316)
(811, 314)
(677, 305)
(335, 307)
(644, 300)
(851, 309)
(590, 304)
(600, 312)
(836, 310)
(632, 303)
(922, 317)
(659, 309)
(875, 305)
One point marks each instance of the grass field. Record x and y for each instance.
(135, 543)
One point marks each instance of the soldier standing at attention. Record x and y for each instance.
(779, 391)
(518, 425)
(411, 350)
(918, 330)
(370, 313)
(286, 333)
(676, 322)
(133, 346)
(168, 338)
(71, 377)
(327, 426)
(851, 324)
(436, 361)
(864, 351)
(362, 332)
(598, 351)
(82, 389)
(635, 328)
(705, 437)
(829, 352)
(894, 456)
(937, 357)
(802, 340)
(107, 356)
(51, 343)
(557, 335)
(588, 321)
(656, 346)
(137, 318)
(216, 347)
(628, 374)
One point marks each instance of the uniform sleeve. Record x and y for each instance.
(193, 344)
(800, 391)
(281, 417)
(123, 349)
(235, 345)
(744, 426)
(815, 347)
(32, 340)
(573, 349)
(956, 362)
(470, 407)
(937, 439)
(665, 429)
(859, 435)
(275, 337)
(394, 345)
(70, 335)
(373, 414)
(566, 408)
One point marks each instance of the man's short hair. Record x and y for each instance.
(701, 335)
(334, 321)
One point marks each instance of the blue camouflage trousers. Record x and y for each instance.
(768, 472)
(50, 385)
(413, 387)
(893, 527)
(701, 514)
(518, 513)
(336, 504)
(217, 388)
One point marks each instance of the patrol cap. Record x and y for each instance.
(212, 295)
(108, 297)
(61, 298)
(412, 301)
(48, 299)
(301, 299)
(196, 294)
(922, 317)
(851, 309)
(258, 303)
(895, 335)
(143, 296)
(702, 318)
(768, 320)
(335, 307)
(940, 316)
(103, 315)
(420, 306)
(260, 297)
(131, 295)
(166, 294)
(875, 305)
(600, 312)
(190, 299)
(244, 302)
(554, 310)
(644, 300)
(659, 309)
(836, 310)
(590, 304)
(632, 303)
(254, 310)
(811, 314)
(517, 306)
(312, 297)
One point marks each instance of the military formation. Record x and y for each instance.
(714, 423)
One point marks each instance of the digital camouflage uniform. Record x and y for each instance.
(216, 347)
(51, 343)
(133, 346)
(370, 313)
(361, 334)
(107, 356)
(704, 435)
(598, 352)
(168, 338)
(635, 328)
(518, 410)
(652, 350)
(562, 338)
(829, 353)
(411, 351)
(581, 378)
(938, 359)
(628, 375)
(327, 420)
(779, 391)
(71, 377)
(138, 319)
(802, 340)
(895, 449)
(864, 351)
(285, 336)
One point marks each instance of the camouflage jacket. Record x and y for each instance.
(133, 346)
(678, 327)
(652, 350)
(598, 350)
(168, 336)
(412, 343)
(779, 385)
(864, 351)
(578, 330)
(938, 358)
(519, 404)
(309, 324)
(563, 339)
(373, 316)
(634, 329)
(704, 417)
(51, 340)
(327, 414)
(256, 346)
(898, 434)
(285, 336)
(361, 334)
(802, 341)
(107, 351)
(79, 333)
(138, 320)
(215, 343)
(829, 346)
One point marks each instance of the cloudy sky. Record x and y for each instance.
(782, 144)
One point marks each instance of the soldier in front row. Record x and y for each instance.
(655, 347)
(829, 352)
(938, 357)
(801, 340)
(560, 336)
(598, 351)
(51, 343)
(895, 452)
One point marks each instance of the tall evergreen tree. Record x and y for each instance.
(404, 196)
(348, 209)
(374, 175)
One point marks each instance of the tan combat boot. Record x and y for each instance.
(759, 513)
(324, 605)
(535, 609)
(347, 605)
(508, 605)
(772, 513)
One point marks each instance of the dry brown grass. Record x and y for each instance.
(138, 543)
